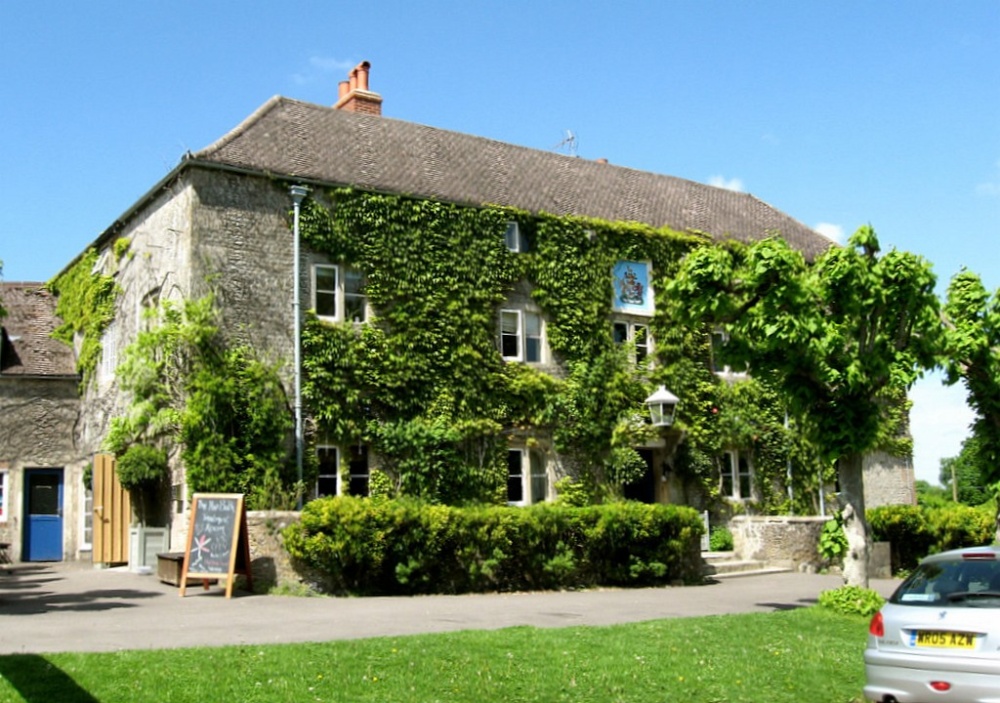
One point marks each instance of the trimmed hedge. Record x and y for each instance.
(914, 531)
(365, 546)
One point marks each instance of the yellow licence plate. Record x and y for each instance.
(950, 640)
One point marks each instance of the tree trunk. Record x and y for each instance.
(852, 498)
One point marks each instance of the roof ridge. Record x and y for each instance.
(239, 130)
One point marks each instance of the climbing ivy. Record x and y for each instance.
(215, 402)
(423, 382)
(86, 303)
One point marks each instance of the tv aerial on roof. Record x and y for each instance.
(569, 144)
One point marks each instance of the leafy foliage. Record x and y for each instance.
(86, 303)
(720, 539)
(913, 532)
(405, 546)
(973, 356)
(966, 474)
(217, 403)
(832, 541)
(852, 600)
(839, 339)
(423, 382)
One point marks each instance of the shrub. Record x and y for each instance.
(833, 541)
(720, 539)
(405, 546)
(852, 600)
(914, 532)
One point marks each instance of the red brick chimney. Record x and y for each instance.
(354, 95)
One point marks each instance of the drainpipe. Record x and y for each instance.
(298, 193)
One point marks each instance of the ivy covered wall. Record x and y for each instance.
(423, 382)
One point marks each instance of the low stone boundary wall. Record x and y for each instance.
(269, 561)
(782, 541)
(793, 543)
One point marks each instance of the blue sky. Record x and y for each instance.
(839, 113)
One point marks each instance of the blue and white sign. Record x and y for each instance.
(632, 292)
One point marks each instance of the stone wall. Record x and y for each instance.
(782, 541)
(889, 480)
(36, 432)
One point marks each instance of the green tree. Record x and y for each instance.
(964, 474)
(972, 355)
(838, 339)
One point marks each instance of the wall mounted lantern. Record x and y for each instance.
(662, 405)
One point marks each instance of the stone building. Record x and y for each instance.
(223, 214)
(43, 501)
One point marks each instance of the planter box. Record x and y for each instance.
(144, 544)
(169, 566)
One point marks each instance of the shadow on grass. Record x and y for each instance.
(37, 680)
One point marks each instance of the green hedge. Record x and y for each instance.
(365, 546)
(915, 531)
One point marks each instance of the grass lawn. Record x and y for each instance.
(807, 654)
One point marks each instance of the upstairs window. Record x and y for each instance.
(637, 335)
(521, 336)
(737, 476)
(338, 293)
(514, 238)
(720, 338)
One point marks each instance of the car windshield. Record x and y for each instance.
(957, 582)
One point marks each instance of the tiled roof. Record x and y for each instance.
(28, 346)
(293, 139)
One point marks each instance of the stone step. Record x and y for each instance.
(726, 565)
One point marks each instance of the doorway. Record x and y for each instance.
(643, 489)
(43, 510)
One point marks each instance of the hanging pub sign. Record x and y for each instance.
(217, 542)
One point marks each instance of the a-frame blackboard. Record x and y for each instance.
(217, 541)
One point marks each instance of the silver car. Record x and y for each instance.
(938, 637)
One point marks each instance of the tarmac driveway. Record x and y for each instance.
(71, 607)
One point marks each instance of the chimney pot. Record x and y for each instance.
(362, 70)
(353, 95)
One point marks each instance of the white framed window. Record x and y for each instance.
(522, 336)
(109, 355)
(719, 339)
(338, 293)
(4, 490)
(527, 477)
(636, 334)
(330, 481)
(514, 238)
(86, 518)
(737, 475)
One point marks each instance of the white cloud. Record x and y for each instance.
(735, 184)
(831, 231)
(322, 66)
(991, 188)
(939, 423)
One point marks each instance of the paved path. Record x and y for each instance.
(67, 607)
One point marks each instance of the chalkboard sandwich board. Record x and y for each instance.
(217, 544)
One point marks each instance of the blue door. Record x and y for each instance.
(43, 507)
